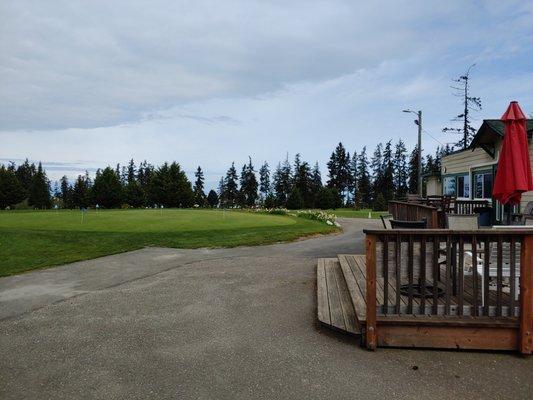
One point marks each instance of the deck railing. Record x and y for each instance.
(467, 206)
(407, 211)
(441, 274)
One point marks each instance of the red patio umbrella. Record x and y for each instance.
(513, 176)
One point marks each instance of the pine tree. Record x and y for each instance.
(248, 184)
(145, 175)
(11, 190)
(133, 193)
(339, 170)
(107, 189)
(231, 189)
(387, 186)
(222, 193)
(283, 183)
(40, 190)
(199, 194)
(376, 164)
(469, 103)
(302, 181)
(316, 181)
(363, 195)
(400, 167)
(25, 173)
(413, 171)
(82, 190)
(212, 199)
(264, 181)
(65, 193)
(352, 186)
(295, 200)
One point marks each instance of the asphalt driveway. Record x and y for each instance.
(215, 324)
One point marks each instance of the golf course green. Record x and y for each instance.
(37, 239)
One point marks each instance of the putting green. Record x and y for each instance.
(37, 239)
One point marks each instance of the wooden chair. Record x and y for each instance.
(385, 220)
(397, 224)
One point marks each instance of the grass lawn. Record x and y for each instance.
(351, 213)
(37, 239)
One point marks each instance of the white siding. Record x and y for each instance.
(464, 160)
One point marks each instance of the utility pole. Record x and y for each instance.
(418, 122)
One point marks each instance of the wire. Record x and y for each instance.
(433, 137)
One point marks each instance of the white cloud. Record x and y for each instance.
(211, 82)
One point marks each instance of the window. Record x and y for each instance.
(483, 185)
(449, 185)
(463, 186)
(458, 186)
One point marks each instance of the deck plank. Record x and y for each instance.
(322, 292)
(356, 294)
(335, 307)
(348, 311)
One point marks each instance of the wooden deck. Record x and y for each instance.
(341, 288)
(354, 271)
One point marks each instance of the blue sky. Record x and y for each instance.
(86, 84)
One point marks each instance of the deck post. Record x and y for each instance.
(525, 341)
(371, 333)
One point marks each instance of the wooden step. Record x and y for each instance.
(335, 307)
(352, 267)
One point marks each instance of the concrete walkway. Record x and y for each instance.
(215, 324)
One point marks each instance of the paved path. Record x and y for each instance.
(215, 324)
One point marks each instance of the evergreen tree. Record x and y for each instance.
(264, 181)
(222, 193)
(387, 188)
(469, 103)
(303, 181)
(316, 181)
(25, 174)
(231, 189)
(352, 178)
(11, 190)
(40, 190)
(295, 200)
(248, 184)
(212, 198)
(400, 167)
(107, 189)
(145, 174)
(65, 193)
(283, 183)
(413, 171)
(376, 164)
(199, 194)
(133, 193)
(363, 195)
(339, 170)
(82, 191)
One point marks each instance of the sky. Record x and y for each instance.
(86, 84)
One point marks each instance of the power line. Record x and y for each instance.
(433, 137)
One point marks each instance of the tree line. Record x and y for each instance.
(353, 180)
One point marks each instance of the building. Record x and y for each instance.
(469, 174)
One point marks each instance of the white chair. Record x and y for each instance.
(493, 265)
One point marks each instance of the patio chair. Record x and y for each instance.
(493, 265)
(397, 224)
(385, 220)
(462, 222)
